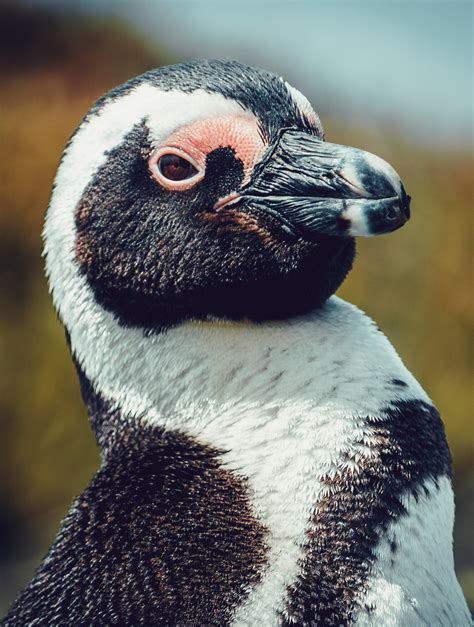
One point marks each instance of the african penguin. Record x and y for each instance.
(266, 457)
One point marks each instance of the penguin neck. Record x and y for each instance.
(226, 381)
(279, 400)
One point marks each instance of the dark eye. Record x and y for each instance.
(175, 168)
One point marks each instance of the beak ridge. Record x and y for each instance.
(317, 187)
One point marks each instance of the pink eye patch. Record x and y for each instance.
(196, 141)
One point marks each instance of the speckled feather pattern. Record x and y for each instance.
(409, 447)
(163, 535)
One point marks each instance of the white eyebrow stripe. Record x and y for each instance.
(164, 111)
(304, 106)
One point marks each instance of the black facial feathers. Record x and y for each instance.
(154, 257)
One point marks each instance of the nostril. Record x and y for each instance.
(392, 213)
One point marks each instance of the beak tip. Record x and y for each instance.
(376, 217)
(394, 216)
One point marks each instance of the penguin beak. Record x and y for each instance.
(314, 187)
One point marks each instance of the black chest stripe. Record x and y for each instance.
(350, 521)
(163, 535)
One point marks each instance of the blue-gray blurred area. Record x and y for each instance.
(391, 77)
(403, 63)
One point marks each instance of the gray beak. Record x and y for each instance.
(314, 187)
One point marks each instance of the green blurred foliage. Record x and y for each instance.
(415, 283)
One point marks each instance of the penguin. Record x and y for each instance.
(267, 459)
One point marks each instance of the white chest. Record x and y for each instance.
(287, 401)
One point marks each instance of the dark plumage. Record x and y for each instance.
(162, 536)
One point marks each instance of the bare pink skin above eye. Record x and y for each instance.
(201, 138)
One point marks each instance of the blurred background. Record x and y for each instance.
(392, 77)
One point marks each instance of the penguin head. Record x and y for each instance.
(206, 189)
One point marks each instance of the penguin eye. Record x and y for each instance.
(175, 168)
